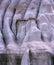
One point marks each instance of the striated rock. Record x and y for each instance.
(39, 52)
(10, 38)
(33, 34)
(3, 7)
(20, 12)
(32, 10)
(2, 45)
(26, 32)
(21, 32)
(45, 7)
(25, 58)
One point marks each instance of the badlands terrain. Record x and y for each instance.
(26, 32)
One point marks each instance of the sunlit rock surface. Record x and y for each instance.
(26, 32)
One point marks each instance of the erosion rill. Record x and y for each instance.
(26, 32)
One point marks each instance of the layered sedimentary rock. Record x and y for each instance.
(26, 32)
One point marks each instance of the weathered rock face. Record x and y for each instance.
(26, 32)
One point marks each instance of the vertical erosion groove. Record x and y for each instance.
(20, 12)
(26, 32)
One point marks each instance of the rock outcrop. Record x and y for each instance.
(26, 32)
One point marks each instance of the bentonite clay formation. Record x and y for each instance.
(26, 32)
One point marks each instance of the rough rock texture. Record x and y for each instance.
(26, 32)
